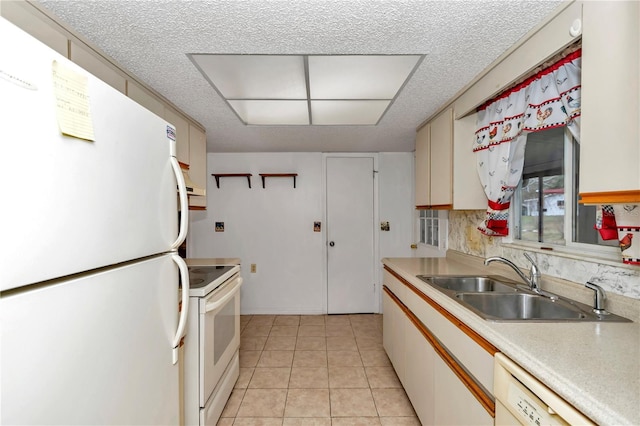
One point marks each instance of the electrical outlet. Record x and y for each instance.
(253, 268)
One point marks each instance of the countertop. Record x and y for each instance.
(593, 366)
(212, 261)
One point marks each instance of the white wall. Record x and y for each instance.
(273, 227)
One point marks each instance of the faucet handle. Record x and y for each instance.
(534, 272)
(533, 264)
(598, 298)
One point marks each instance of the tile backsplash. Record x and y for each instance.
(464, 237)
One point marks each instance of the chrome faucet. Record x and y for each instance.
(533, 280)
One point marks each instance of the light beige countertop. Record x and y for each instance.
(593, 366)
(212, 261)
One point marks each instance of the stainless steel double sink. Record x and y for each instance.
(496, 298)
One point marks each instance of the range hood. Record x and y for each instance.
(192, 188)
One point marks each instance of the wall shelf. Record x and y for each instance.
(217, 177)
(266, 175)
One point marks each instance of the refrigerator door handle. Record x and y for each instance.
(182, 322)
(184, 204)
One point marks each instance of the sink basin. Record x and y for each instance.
(521, 306)
(470, 284)
(497, 298)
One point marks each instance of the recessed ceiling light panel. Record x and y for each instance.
(358, 76)
(255, 76)
(260, 112)
(308, 89)
(347, 113)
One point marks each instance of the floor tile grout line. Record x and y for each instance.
(326, 350)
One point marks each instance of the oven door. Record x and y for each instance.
(219, 333)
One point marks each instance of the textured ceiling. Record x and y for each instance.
(151, 39)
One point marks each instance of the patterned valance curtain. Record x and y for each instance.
(550, 98)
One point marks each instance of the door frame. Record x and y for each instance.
(377, 295)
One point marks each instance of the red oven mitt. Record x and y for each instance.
(606, 222)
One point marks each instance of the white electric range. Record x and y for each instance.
(212, 341)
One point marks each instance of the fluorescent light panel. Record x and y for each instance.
(303, 90)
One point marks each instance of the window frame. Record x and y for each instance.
(570, 248)
(441, 219)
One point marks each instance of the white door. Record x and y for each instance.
(350, 235)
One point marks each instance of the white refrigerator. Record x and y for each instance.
(89, 277)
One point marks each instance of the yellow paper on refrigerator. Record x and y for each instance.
(72, 102)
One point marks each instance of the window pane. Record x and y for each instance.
(429, 224)
(530, 209)
(553, 209)
(435, 232)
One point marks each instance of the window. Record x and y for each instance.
(546, 207)
(429, 227)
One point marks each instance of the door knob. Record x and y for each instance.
(331, 244)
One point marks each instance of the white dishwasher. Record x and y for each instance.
(521, 399)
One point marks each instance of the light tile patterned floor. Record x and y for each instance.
(316, 370)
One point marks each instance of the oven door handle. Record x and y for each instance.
(182, 322)
(212, 306)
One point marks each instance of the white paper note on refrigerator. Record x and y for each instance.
(72, 102)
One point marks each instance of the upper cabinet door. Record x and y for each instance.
(182, 133)
(468, 193)
(422, 167)
(144, 98)
(98, 66)
(198, 164)
(610, 136)
(23, 15)
(446, 174)
(441, 182)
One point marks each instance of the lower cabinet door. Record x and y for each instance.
(393, 335)
(453, 403)
(419, 384)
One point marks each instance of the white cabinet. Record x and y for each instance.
(610, 125)
(420, 383)
(468, 193)
(434, 144)
(145, 98)
(442, 364)
(24, 16)
(198, 165)
(422, 167)
(393, 335)
(453, 403)
(446, 176)
(90, 60)
(182, 133)
(440, 160)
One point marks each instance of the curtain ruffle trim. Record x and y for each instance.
(570, 57)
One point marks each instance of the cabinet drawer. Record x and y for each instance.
(469, 353)
(394, 285)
